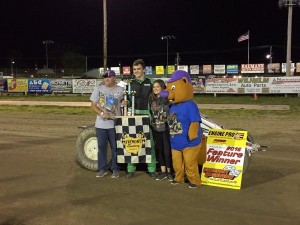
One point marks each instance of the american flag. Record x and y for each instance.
(244, 37)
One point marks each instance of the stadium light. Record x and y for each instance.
(168, 37)
(290, 4)
(46, 42)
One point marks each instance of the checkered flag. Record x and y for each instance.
(133, 139)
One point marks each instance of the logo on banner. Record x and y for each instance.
(131, 144)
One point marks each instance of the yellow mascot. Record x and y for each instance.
(185, 131)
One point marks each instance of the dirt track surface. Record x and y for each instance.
(202, 106)
(41, 184)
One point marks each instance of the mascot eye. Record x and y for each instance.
(173, 87)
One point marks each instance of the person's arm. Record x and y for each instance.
(98, 111)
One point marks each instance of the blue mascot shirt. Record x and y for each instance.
(181, 116)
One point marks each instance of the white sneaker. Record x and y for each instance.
(115, 174)
(101, 173)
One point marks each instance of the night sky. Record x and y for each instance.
(206, 31)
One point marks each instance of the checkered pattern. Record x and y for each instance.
(133, 126)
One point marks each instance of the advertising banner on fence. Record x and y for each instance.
(252, 68)
(253, 85)
(116, 69)
(160, 70)
(17, 85)
(221, 85)
(1, 82)
(283, 68)
(148, 70)
(207, 69)
(39, 86)
(232, 69)
(284, 85)
(126, 70)
(194, 69)
(83, 85)
(297, 67)
(224, 158)
(171, 69)
(274, 68)
(61, 86)
(219, 69)
(183, 67)
(198, 84)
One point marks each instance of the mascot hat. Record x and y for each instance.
(178, 74)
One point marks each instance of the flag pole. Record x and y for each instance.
(248, 45)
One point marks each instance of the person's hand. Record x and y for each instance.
(124, 102)
(105, 116)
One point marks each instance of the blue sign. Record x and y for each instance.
(39, 85)
(148, 70)
(233, 68)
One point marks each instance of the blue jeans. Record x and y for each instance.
(103, 136)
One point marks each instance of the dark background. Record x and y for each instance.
(206, 31)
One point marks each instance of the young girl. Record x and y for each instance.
(159, 112)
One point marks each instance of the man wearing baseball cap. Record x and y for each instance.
(106, 101)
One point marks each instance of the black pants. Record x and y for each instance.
(163, 148)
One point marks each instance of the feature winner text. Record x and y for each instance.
(232, 155)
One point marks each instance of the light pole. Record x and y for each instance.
(104, 36)
(12, 66)
(46, 42)
(290, 4)
(270, 55)
(167, 37)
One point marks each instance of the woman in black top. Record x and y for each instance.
(159, 112)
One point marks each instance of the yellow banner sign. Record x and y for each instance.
(17, 85)
(159, 70)
(224, 158)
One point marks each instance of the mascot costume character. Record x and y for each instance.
(185, 131)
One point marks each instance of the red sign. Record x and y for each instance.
(126, 70)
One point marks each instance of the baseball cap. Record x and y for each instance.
(109, 73)
(178, 74)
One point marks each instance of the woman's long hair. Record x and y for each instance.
(153, 96)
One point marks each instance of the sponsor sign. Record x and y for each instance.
(171, 69)
(297, 67)
(219, 69)
(224, 158)
(283, 68)
(61, 86)
(148, 70)
(194, 69)
(39, 85)
(253, 85)
(116, 69)
(207, 69)
(183, 67)
(17, 85)
(274, 68)
(1, 82)
(252, 68)
(83, 85)
(126, 70)
(198, 84)
(221, 85)
(232, 69)
(285, 84)
(159, 70)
